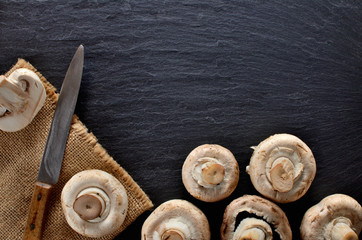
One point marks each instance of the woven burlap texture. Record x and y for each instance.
(20, 156)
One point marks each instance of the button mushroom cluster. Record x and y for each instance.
(281, 168)
(22, 95)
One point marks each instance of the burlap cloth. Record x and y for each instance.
(20, 156)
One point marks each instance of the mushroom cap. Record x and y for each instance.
(259, 206)
(328, 209)
(25, 96)
(224, 186)
(111, 187)
(281, 147)
(172, 213)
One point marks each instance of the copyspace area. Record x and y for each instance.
(163, 77)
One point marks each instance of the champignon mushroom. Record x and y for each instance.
(260, 218)
(210, 173)
(22, 95)
(94, 203)
(336, 217)
(282, 168)
(176, 220)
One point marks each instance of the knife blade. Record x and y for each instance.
(54, 148)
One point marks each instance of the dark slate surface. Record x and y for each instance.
(162, 77)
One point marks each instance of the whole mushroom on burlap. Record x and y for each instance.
(282, 168)
(210, 173)
(94, 203)
(261, 219)
(176, 220)
(336, 217)
(22, 95)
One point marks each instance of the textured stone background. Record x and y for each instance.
(162, 77)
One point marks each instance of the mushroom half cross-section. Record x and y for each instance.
(210, 173)
(282, 168)
(254, 218)
(94, 203)
(336, 217)
(22, 95)
(176, 220)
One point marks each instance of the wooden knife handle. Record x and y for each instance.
(38, 204)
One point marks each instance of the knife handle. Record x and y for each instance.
(38, 204)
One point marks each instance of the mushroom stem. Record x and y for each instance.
(253, 229)
(342, 231)
(282, 174)
(88, 206)
(12, 94)
(208, 172)
(173, 229)
(213, 173)
(92, 204)
(253, 234)
(172, 234)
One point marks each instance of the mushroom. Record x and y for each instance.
(337, 216)
(176, 220)
(282, 168)
(94, 203)
(22, 95)
(210, 173)
(259, 218)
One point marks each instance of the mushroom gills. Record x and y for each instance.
(246, 215)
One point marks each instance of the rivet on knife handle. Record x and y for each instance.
(39, 201)
(54, 148)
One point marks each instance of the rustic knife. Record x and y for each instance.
(54, 148)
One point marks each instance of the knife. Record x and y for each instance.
(54, 148)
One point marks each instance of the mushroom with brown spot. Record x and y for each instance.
(210, 173)
(22, 95)
(176, 220)
(282, 168)
(337, 216)
(261, 217)
(94, 203)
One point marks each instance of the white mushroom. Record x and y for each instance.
(94, 203)
(210, 173)
(336, 217)
(22, 95)
(282, 168)
(176, 220)
(262, 217)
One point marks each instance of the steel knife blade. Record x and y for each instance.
(51, 163)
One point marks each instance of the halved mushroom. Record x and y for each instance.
(176, 220)
(337, 216)
(282, 168)
(94, 203)
(22, 95)
(261, 217)
(210, 173)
